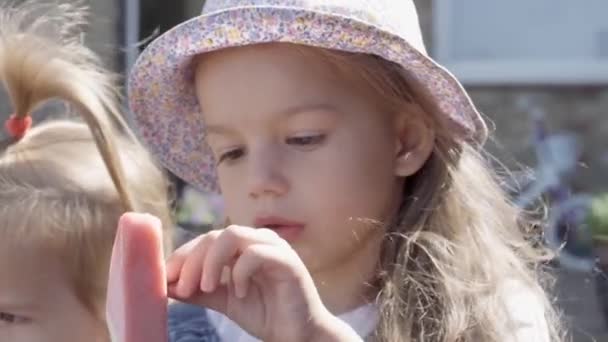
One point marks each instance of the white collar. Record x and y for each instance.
(363, 320)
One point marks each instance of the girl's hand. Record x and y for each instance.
(256, 279)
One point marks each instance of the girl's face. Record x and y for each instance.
(37, 303)
(304, 152)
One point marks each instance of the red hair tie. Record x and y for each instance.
(18, 126)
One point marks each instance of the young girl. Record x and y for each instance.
(351, 166)
(60, 200)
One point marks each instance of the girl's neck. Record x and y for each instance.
(346, 287)
(351, 283)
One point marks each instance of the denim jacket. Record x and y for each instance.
(189, 323)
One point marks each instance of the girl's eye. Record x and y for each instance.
(7, 318)
(306, 140)
(231, 155)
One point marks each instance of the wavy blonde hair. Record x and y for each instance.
(64, 185)
(458, 248)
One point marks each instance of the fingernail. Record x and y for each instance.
(181, 289)
(239, 292)
(207, 285)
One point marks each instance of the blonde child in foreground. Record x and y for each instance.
(351, 166)
(60, 199)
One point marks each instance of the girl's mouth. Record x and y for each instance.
(286, 229)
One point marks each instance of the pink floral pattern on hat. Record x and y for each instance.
(161, 91)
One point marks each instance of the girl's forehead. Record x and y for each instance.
(29, 273)
(284, 65)
(271, 78)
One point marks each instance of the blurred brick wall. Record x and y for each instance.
(582, 110)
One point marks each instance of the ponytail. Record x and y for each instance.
(43, 58)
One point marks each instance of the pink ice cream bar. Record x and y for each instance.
(136, 306)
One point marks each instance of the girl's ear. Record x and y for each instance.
(415, 140)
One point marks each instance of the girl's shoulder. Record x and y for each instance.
(526, 312)
(189, 323)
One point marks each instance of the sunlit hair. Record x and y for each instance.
(64, 185)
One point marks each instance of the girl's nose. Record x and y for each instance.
(266, 175)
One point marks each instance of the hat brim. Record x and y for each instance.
(165, 108)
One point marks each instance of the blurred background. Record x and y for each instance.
(537, 69)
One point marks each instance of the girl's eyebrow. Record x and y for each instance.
(307, 108)
(286, 114)
(217, 130)
(17, 306)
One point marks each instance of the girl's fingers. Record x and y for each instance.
(250, 261)
(228, 246)
(215, 301)
(173, 269)
(178, 257)
(275, 262)
(192, 269)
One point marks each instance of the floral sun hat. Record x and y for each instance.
(161, 88)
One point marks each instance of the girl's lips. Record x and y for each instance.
(286, 229)
(288, 233)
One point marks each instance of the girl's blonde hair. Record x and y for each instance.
(458, 248)
(56, 192)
